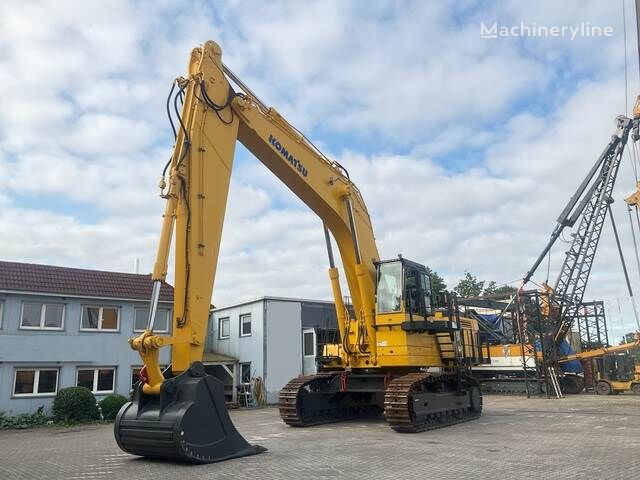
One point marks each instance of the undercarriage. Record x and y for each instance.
(517, 384)
(410, 402)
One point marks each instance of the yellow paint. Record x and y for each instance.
(634, 198)
(618, 386)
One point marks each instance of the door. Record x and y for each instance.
(309, 348)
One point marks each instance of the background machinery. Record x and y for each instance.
(512, 366)
(402, 351)
(536, 352)
(613, 368)
(552, 311)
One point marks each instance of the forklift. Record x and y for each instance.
(615, 373)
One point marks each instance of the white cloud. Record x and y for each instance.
(83, 121)
(105, 134)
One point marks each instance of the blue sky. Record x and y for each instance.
(465, 148)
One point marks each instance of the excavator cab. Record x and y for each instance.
(403, 286)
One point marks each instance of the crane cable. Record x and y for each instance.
(548, 266)
(633, 234)
(632, 153)
(633, 158)
(637, 2)
(626, 76)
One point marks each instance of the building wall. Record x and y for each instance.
(275, 346)
(247, 349)
(283, 345)
(65, 350)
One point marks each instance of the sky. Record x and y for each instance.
(465, 148)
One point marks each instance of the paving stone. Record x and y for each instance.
(569, 439)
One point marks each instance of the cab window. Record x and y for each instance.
(389, 288)
(426, 292)
(413, 289)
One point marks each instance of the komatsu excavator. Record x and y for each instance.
(403, 352)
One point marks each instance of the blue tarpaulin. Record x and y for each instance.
(573, 366)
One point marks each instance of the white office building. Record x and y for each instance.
(273, 338)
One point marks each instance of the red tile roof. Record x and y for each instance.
(30, 277)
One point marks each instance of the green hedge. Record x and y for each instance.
(111, 404)
(24, 420)
(74, 404)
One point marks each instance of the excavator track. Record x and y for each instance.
(417, 402)
(288, 401)
(314, 400)
(413, 402)
(512, 386)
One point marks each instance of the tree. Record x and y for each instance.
(437, 282)
(469, 286)
(493, 289)
(629, 338)
(490, 289)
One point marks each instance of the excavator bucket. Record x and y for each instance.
(188, 421)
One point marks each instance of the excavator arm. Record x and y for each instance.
(213, 118)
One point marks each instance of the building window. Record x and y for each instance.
(245, 372)
(98, 380)
(35, 381)
(245, 325)
(223, 327)
(161, 324)
(42, 316)
(309, 344)
(100, 318)
(1, 305)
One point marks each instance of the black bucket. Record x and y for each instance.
(188, 421)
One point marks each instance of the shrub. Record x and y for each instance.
(74, 404)
(111, 404)
(24, 420)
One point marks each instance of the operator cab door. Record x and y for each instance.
(417, 291)
(309, 347)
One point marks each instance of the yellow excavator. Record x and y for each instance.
(403, 352)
